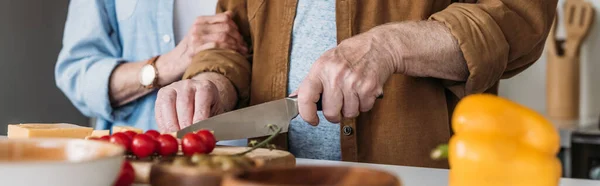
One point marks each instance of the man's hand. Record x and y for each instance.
(350, 78)
(207, 32)
(352, 75)
(188, 101)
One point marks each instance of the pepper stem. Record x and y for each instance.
(276, 130)
(440, 152)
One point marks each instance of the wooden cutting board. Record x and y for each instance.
(272, 158)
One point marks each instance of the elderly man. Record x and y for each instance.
(423, 55)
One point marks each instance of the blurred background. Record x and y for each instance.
(30, 39)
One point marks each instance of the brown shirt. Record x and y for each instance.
(498, 38)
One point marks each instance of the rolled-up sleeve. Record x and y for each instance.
(498, 38)
(89, 55)
(231, 64)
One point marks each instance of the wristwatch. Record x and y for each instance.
(149, 74)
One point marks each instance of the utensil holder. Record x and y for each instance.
(563, 87)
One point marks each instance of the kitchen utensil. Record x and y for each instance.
(563, 85)
(251, 122)
(579, 15)
(268, 158)
(312, 176)
(64, 162)
(248, 122)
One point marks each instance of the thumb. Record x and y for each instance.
(228, 13)
(293, 94)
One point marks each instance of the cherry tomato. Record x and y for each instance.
(126, 176)
(121, 139)
(208, 138)
(153, 133)
(131, 134)
(192, 143)
(143, 145)
(105, 138)
(167, 145)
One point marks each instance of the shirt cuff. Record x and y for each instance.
(482, 43)
(96, 90)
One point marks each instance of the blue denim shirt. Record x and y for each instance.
(100, 34)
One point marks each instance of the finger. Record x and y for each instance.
(203, 101)
(219, 38)
(217, 28)
(218, 18)
(308, 95)
(185, 104)
(351, 103)
(212, 45)
(229, 28)
(165, 108)
(295, 93)
(332, 100)
(367, 94)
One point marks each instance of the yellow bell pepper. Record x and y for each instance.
(500, 143)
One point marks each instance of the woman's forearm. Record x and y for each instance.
(125, 87)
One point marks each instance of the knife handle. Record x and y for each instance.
(320, 103)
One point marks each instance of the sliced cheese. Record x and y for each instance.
(50, 130)
(116, 129)
(100, 133)
(174, 134)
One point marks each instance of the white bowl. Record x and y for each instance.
(59, 162)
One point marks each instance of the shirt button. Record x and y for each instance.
(166, 38)
(347, 130)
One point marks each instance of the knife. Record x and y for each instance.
(250, 122)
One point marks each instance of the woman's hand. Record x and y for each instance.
(207, 32)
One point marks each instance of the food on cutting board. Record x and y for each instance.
(100, 133)
(152, 144)
(514, 145)
(116, 129)
(48, 130)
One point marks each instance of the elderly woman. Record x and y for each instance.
(117, 53)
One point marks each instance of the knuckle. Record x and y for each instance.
(186, 84)
(165, 92)
(204, 85)
(195, 29)
(194, 38)
(226, 27)
(222, 38)
(350, 113)
(200, 19)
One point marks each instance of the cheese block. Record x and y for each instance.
(49, 130)
(116, 129)
(100, 133)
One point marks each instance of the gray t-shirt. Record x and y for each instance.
(314, 32)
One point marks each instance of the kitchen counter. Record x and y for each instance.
(416, 176)
(413, 176)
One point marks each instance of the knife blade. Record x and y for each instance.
(248, 122)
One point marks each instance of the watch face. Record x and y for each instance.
(147, 75)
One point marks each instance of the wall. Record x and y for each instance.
(529, 87)
(30, 39)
